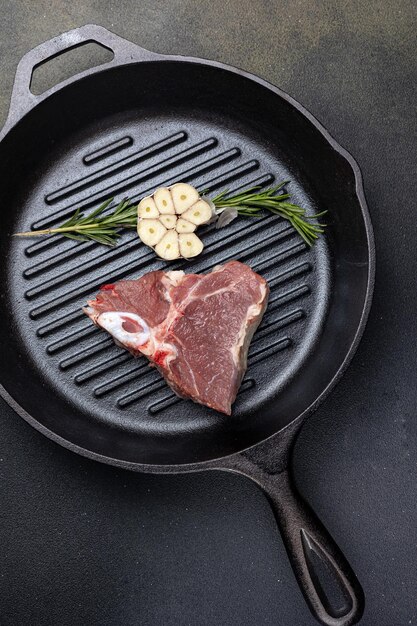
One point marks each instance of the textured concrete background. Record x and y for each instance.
(200, 550)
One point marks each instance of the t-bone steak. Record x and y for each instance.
(195, 328)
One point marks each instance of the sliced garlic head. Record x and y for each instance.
(147, 208)
(167, 221)
(183, 196)
(190, 245)
(163, 201)
(151, 231)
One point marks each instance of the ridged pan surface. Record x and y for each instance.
(124, 132)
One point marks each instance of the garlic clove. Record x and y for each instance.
(214, 216)
(183, 196)
(147, 208)
(168, 248)
(163, 201)
(169, 221)
(183, 226)
(199, 213)
(190, 245)
(226, 217)
(151, 231)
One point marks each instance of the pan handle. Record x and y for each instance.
(320, 568)
(22, 99)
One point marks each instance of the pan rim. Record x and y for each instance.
(360, 194)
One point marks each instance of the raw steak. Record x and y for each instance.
(195, 328)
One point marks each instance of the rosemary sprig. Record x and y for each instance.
(251, 202)
(104, 227)
(95, 226)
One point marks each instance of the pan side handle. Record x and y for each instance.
(326, 579)
(22, 99)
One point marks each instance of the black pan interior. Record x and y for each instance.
(125, 131)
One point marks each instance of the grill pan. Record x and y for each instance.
(123, 129)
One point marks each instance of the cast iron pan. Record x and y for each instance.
(125, 128)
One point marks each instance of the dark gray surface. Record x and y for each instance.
(86, 544)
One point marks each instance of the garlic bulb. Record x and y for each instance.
(167, 221)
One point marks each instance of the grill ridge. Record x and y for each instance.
(86, 353)
(64, 277)
(135, 265)
(61, 344)
(96, 370)
(172, 398)
(288, 296)
(136, 177)
(107, 150)
(64, 320)
(122, 379)
(118, 166)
